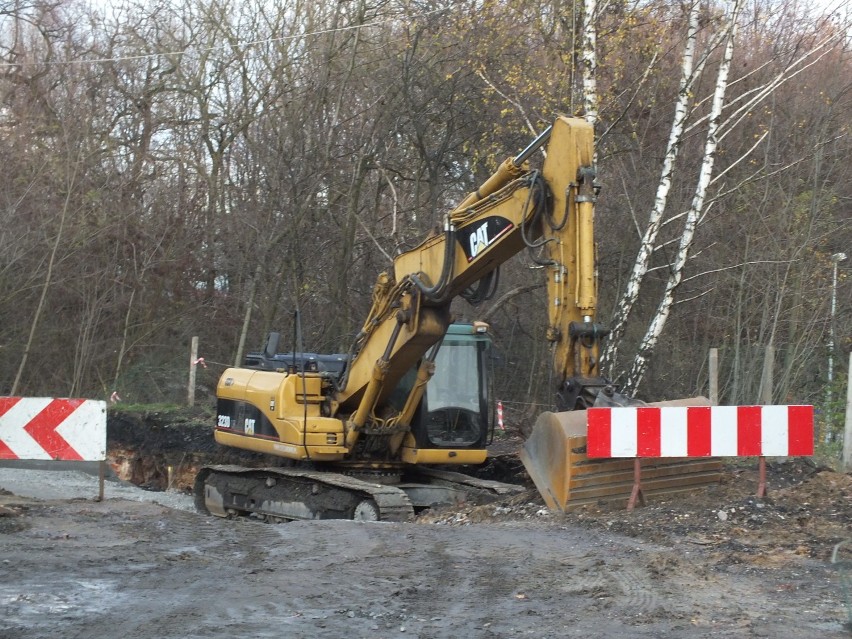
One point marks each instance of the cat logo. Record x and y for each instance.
(479, 240)
(477, 237)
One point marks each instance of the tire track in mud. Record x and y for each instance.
(326, 560)
(638, 596)
(634, 586)
(461, 582)
(584, 577)
(504, 586)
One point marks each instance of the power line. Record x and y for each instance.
(247, 45)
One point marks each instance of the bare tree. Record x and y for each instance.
(655, 328)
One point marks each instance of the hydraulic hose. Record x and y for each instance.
(438, 292)
(483, 289)
(539, 197)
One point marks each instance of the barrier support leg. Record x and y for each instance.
(761, 485)
(637, 485)
(101, 475)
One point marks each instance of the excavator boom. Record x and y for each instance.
(517, 208)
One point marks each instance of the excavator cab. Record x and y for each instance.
(456, 408)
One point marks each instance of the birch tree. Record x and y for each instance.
(688, 120)
(655, 328)
(590, 62)
(655, 220)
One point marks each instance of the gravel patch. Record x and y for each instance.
(79, 484)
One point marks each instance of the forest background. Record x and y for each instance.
(206, 168)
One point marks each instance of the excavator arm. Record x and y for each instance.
(550, 211)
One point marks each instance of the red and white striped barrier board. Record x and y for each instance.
(48, 428)
(700, 431)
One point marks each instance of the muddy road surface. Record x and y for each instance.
(77, 568)
(143, 564)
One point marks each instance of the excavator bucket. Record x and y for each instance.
(555, 457)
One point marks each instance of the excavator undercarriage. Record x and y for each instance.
(284, 494)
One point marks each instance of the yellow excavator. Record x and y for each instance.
(369, 434)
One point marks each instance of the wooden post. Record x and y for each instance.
(193, 364)
(714, 376)
(766, 381)
(847, 432)
(766, 387)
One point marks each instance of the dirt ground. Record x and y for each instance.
(713, 563)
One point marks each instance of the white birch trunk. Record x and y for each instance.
(590, 62)
(646, 248)
(655, 328)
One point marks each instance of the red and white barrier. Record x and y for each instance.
(700, 431)
(500, 415)
(45, 428)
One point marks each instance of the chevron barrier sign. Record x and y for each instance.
(701, 431)
(46, 428)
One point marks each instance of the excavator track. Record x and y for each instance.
(281, 494)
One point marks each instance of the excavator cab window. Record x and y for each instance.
(455, 410)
